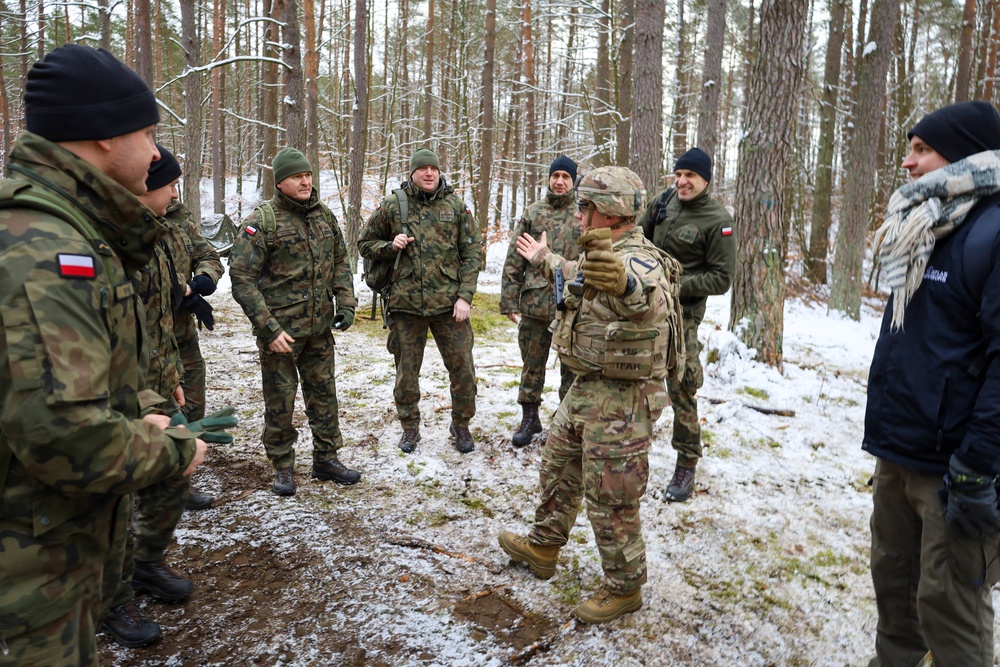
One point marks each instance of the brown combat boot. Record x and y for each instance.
(129, 626)
(541, 560)
(411, 436)
(682, 485)
(335, 470)
(463, 438)
(530, 425)
(284, 482)
(606, 605)
(160, 581)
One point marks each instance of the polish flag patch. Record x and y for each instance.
(727, 231)
(250, 229)
(76, 266)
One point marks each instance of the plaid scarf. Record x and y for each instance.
(925, 210)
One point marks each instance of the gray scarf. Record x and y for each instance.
(925, 210)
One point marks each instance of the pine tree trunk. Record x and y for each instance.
(678, 122)
(193, 128)
(964, 70)
(846, 283)
(294, 104)
(708, 113)
(429, 72)
(269, 100)
(623, 129)
(143, 33)
(360, 129)
(218, 127)
(647, 123)
(488, 122)
(311, 62)
(759, 287)
(530, 128)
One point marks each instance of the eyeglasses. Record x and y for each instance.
(583, 204)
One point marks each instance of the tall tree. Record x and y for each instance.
(819, 237)
(711, 78)
(623, 130)
(360, 128)
(218, 104)
(758, 300)
(193, 127)
(601, 106)
(311, 63)
(530, 128)
(143, 35)
(269, 99)
(963, 73)
(294, 105)
(647, 120)
(678, 121)
(845, 288)
(488, 122)
(429, 71)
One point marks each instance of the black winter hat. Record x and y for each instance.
(697, 161)
(78, 93)
(960, 130)
(563, 163)
(164, 171)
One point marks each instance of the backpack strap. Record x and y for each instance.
(659, 211)
(268, 223)
(401, 198)
(977, 255)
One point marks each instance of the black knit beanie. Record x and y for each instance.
(164, 171)
(697, 161)
(563, 163)
(78, 93)
(960, 130)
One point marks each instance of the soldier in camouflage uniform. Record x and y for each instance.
(287, 267)
(620, 337)
(528, 299)
(694, 228)
(74, 443)
(198, 265)
(432, 289)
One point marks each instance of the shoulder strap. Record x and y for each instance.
(977, 255)
(658, 211)
(401, 198)
(19, 194)
(268, 223)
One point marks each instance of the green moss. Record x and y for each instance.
(753, 391)
(477, 505)
(486, 317)
(712, 356)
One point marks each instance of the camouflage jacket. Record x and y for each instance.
(441, 265)
(158, 285)
(192, 255)
(286, 279)
(523, 288)
(699, 234)
(71, 383)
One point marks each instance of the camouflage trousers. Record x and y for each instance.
(598, 449)
(406, 342)
(535, 341)
(193, 381)
(686, 438)
(69, 639)
(311, 360)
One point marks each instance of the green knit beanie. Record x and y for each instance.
(424, 157)
(289, 162)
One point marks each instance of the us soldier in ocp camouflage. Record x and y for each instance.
(77, 433)
(620, 337)
(441, 256)
(528, 299)
(286, 279)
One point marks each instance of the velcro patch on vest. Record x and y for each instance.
(641, 267)
(727, 231)
(687, 234)
(448, 216)
(76, 266)
(250, 230)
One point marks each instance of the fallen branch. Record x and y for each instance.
(482, 594)
(781, 412)
(515, 366)
(416, 542)
(543, 644)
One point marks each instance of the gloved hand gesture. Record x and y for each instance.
(344, 318)
(213, 427)
(603, 270)
(202, 284)
(201, 309)
(970, 499)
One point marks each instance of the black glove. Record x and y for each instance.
(344, 319)
(970, 501)
(202, 284)
(201, 309)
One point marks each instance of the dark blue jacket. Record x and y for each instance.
(934, 386)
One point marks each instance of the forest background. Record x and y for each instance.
(803, 104)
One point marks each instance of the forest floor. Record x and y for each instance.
(766, 565)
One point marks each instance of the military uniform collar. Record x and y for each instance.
(286, 203)
(415, 192)
(560, 201)
(116, 214)
(703, 198)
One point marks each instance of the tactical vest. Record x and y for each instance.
(624, 350)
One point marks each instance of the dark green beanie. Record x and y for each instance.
(424, 157)
(289, 162)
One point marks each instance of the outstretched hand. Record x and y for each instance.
(531, 249)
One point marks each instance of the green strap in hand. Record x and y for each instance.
(213, 427)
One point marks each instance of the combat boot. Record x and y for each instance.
(682, 485)
(530, 425)
(335, 470)
(197, 500)
(463, 439)
(408, 442)
(284, 482)
(128, 626)
(541, 560)
(606, 605)
(157, 579)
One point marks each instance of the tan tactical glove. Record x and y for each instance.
(593, 240)
(605, 272)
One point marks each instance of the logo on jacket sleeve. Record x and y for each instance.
(76, 266)
(727, 231)
(250, 229)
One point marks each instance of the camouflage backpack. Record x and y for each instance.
(378, 273)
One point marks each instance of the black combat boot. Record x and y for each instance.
(128, 626)
(463, 439)
(197, 500)
(411, 436)
(157, 579)
(530, 425)
(682, 485)
(335, 470)
(284, 482)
